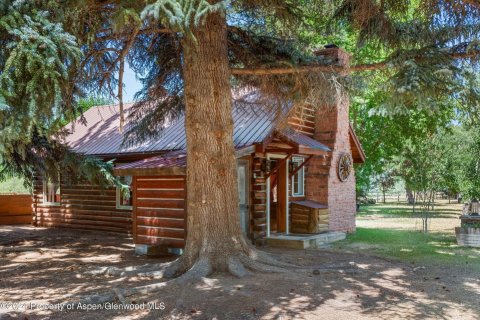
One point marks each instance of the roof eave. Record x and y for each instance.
(158, 171)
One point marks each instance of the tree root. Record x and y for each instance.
(19, 249)
(200, 269)
(269, 259)
(236, 268)
(260, 266)
(158, 270)
(239, 265)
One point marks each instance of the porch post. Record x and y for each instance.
(268, 206)
(287, 211)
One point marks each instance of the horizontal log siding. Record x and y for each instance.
(258, 212)
(159, 214)
(303, 121)
(82, 206)
(15, 209)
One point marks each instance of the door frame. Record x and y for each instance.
(287, 209)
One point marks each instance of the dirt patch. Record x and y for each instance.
(358, 286)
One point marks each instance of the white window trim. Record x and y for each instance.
(119, 206)
(44, 194)
(301, 160)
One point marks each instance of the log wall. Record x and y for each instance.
(15, 209)
(159, 211)
(259, 200)
(82, 206)
(303, 121)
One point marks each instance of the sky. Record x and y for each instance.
(131, 84)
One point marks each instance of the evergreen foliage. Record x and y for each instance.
(419, 57)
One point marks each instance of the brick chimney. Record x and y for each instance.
(333, 55)
(332, 129)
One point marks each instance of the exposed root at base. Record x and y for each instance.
(156, 271)
(19, 249)
(269, 259)
(200, 269)
(239, 265)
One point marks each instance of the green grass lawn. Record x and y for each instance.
(412, 246)
(391, 230)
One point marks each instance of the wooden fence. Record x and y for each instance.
(15, 209)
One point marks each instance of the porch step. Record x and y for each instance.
(304, 241)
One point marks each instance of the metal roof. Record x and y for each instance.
(303, 140)
(101, 135)
(178, 158)
(171, 159)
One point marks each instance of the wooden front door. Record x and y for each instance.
(278, 200)
(282, 199)
(243, 174)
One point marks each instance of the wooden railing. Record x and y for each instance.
(15, 209)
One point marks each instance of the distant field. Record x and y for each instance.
(400, 216)
(13, 185)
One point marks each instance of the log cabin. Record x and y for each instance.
(294, 178)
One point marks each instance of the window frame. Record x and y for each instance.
(44, 193)
(299, 160)
(118, 204)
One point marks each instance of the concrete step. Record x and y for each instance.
(304, 241)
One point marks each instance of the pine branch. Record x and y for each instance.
(339, 69)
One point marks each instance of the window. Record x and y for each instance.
(298, 180)
(51, 192)
(125, 197)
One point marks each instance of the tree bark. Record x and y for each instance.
(410, 196)
(213, 223)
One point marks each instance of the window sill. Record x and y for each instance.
(124, 207)
(52, 204)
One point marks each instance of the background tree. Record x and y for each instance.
(385, 181)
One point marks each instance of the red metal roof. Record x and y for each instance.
(168, 160)
(303, 140)
(101, 135)
(357, 151)
(178, 158)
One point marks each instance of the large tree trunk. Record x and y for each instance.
(214, 238)
(214, 232)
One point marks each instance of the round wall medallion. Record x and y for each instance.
(345, 167)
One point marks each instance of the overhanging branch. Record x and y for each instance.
(336, 69)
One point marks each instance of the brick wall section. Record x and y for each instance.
(342, 197)
(322, 182)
